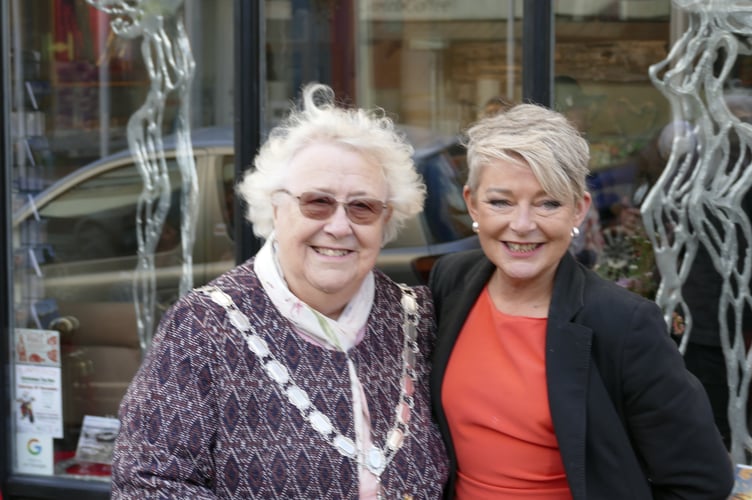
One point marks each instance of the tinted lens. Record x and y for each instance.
(317, 205)
(364, 210)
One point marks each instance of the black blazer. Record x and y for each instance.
(631, 421)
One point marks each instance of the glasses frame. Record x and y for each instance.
(349, 206)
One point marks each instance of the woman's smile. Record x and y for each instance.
(331, 252)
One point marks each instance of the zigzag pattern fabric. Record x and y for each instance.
(203, 420)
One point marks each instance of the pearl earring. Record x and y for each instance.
(476, 226)
(575, 232)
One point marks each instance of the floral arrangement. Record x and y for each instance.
(627, 259)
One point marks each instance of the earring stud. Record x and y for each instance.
(476, 226)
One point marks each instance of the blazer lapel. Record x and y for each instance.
(455, 309)
(568, 346)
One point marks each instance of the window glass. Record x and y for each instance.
(432, 64)
(602, 58)
(603, 52)
(81, 94)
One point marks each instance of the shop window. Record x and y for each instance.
(602, 57)
(75, 84)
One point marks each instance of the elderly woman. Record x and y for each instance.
(301, 373)
(548, 381)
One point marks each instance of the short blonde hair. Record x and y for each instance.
(368, 132)
(537, 136)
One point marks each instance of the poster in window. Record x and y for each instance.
(97, 440)
(37, 405)
(37, 347)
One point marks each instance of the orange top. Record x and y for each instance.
(496, 402)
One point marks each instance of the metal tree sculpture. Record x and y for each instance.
(697, 199)
(169, 61)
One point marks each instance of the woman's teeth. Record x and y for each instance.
(522, 247)
(331, 252)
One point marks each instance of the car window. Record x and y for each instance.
(96, 218)
(445, 212)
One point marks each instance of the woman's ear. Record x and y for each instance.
(470, 202)
(581, 208)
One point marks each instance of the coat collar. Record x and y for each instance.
(569, 286)
(456, 305)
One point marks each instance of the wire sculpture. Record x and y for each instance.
(697, 200)
(167, 55)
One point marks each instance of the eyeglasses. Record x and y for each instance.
(321, 206)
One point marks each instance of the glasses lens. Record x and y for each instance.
(317, 205)
(364, 211)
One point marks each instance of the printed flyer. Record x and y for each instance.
(39, 347)
(97, 440)
(38, 405)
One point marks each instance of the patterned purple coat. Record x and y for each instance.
(202, 419)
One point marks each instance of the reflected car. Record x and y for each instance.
(79, 252)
